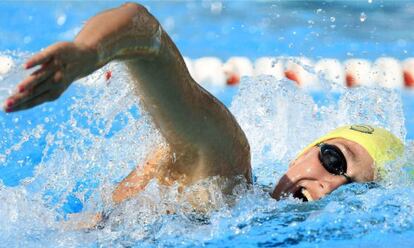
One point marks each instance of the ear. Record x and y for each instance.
(375, 174)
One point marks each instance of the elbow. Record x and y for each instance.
(134, 7)
(149, 23)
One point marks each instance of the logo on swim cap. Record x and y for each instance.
(363, 128)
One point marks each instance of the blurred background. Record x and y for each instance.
(314, 29)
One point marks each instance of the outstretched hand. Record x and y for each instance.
(60, 65)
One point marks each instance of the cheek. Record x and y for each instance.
(370, 169)
(368, 173)
(371, 174)
(305, 157)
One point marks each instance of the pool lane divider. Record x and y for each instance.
(385, 71)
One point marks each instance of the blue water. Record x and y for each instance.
(313, 29)
(63, 157)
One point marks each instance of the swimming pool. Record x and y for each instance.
(64, 157)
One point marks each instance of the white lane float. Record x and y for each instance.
(209, 70)
(408, 72)
(269, 66)
(189, 63)
(387, 72)
(358, 72)
(301, 71)
(212, 73)
(235, 68)
(6, 64)
(331, 70)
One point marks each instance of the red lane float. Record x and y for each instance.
(301, 70)
(233, 79)
(235, 68)
(408, 72)
(294, 76)
(357, 72)
(385, 71)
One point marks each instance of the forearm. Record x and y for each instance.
(134, 183)
(159, 75)
(127, 32)
(138, 179)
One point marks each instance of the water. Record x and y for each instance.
(293, 28)
(65, 157)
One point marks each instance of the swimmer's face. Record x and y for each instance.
(307, 178)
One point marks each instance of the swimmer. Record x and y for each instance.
(203, 138)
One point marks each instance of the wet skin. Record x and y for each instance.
(307, 172)
(203, 138)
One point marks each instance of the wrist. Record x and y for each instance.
(88, 53)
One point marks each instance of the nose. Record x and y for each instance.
(320, 188)
(314, 177)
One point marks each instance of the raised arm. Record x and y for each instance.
(204, 137)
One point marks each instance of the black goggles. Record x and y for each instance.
(333, 160)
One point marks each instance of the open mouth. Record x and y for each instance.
(303, 195)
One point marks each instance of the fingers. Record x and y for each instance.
(39, 99)
(47, 82)
(36, 78)
(46, 55)
(35, 96)
(39, 59)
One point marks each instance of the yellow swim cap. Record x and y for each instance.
(382, 145)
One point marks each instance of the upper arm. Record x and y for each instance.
(181, 109)
(190, 118)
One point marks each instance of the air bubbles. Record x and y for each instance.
(332, 19)
(318, 11)
(216, 7)
(362, 17)
(61, 19)
(27, 39)
(3, 158)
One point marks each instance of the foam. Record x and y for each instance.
(85, 143)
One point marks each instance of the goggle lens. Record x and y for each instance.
(333, 160)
